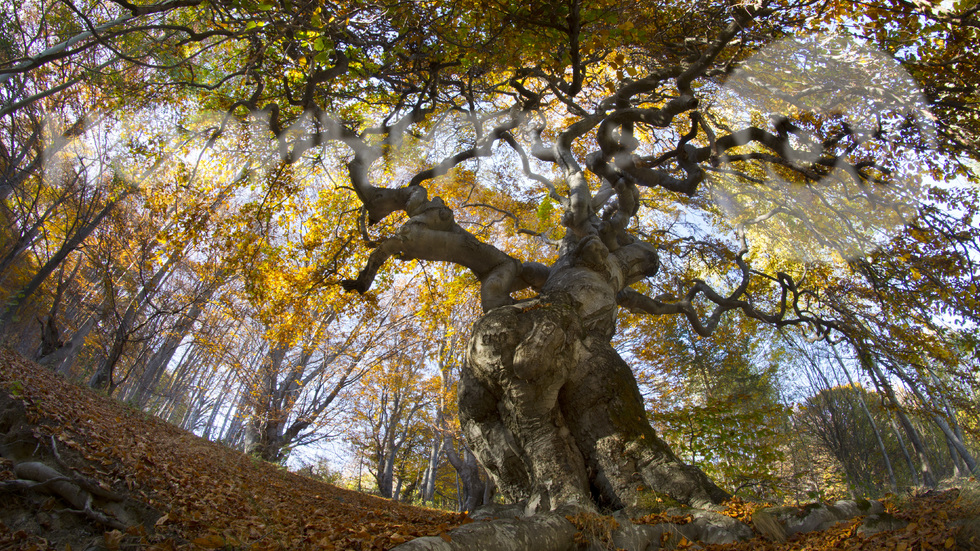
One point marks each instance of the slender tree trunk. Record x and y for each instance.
(102, 378)
(62, 359)
(80, 235)
(952, 438)
(158, 362)
(176, 392)
(928, 478)
(957, 441)
(913, 471)
(222, 434)
(431, 470)
(955, 459)
(226, 384)
(892, 481)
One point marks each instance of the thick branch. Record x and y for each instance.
(432, 234)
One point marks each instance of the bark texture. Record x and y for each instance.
(553, 412)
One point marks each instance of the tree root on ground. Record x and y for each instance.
(76, 490)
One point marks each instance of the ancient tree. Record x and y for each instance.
(558, 150)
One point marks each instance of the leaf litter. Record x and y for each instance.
(199, 494)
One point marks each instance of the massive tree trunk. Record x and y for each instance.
(550, 408)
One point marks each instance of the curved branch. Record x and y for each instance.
(432, 234)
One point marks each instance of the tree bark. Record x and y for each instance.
(102, 379)
(554, 413)
(472, 491)
(913, 472)
(431, 470)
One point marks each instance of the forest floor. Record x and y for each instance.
(126, 480)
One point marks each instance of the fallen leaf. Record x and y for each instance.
(113, 539)
(211, 541)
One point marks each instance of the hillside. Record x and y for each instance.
(173, 489)
(154, 486)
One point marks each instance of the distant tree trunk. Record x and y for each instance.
(389, 450)
(955, 459)
(167, 404)
(226, 385)
(397, 492)
(928, 478)
(431, 470)
(222, 432)
(951, 436)
(62, 359)
(954, 435)
(472, 488)
(102, 378)
(913, 471)
(18, 298)
(50, 333)
(892, 481)
(160, 359)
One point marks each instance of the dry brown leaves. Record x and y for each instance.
(210, 497)
(931, 527)
(592, 528)
(658, 518)
(742, 510)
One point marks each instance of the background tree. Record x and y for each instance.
(717, 400)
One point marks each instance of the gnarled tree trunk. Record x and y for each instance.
(551, 409)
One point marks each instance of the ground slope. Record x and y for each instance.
(126, 480)
(82, 471)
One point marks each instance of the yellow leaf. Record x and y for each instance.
(950, 542)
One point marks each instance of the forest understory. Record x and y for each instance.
(81, 471)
